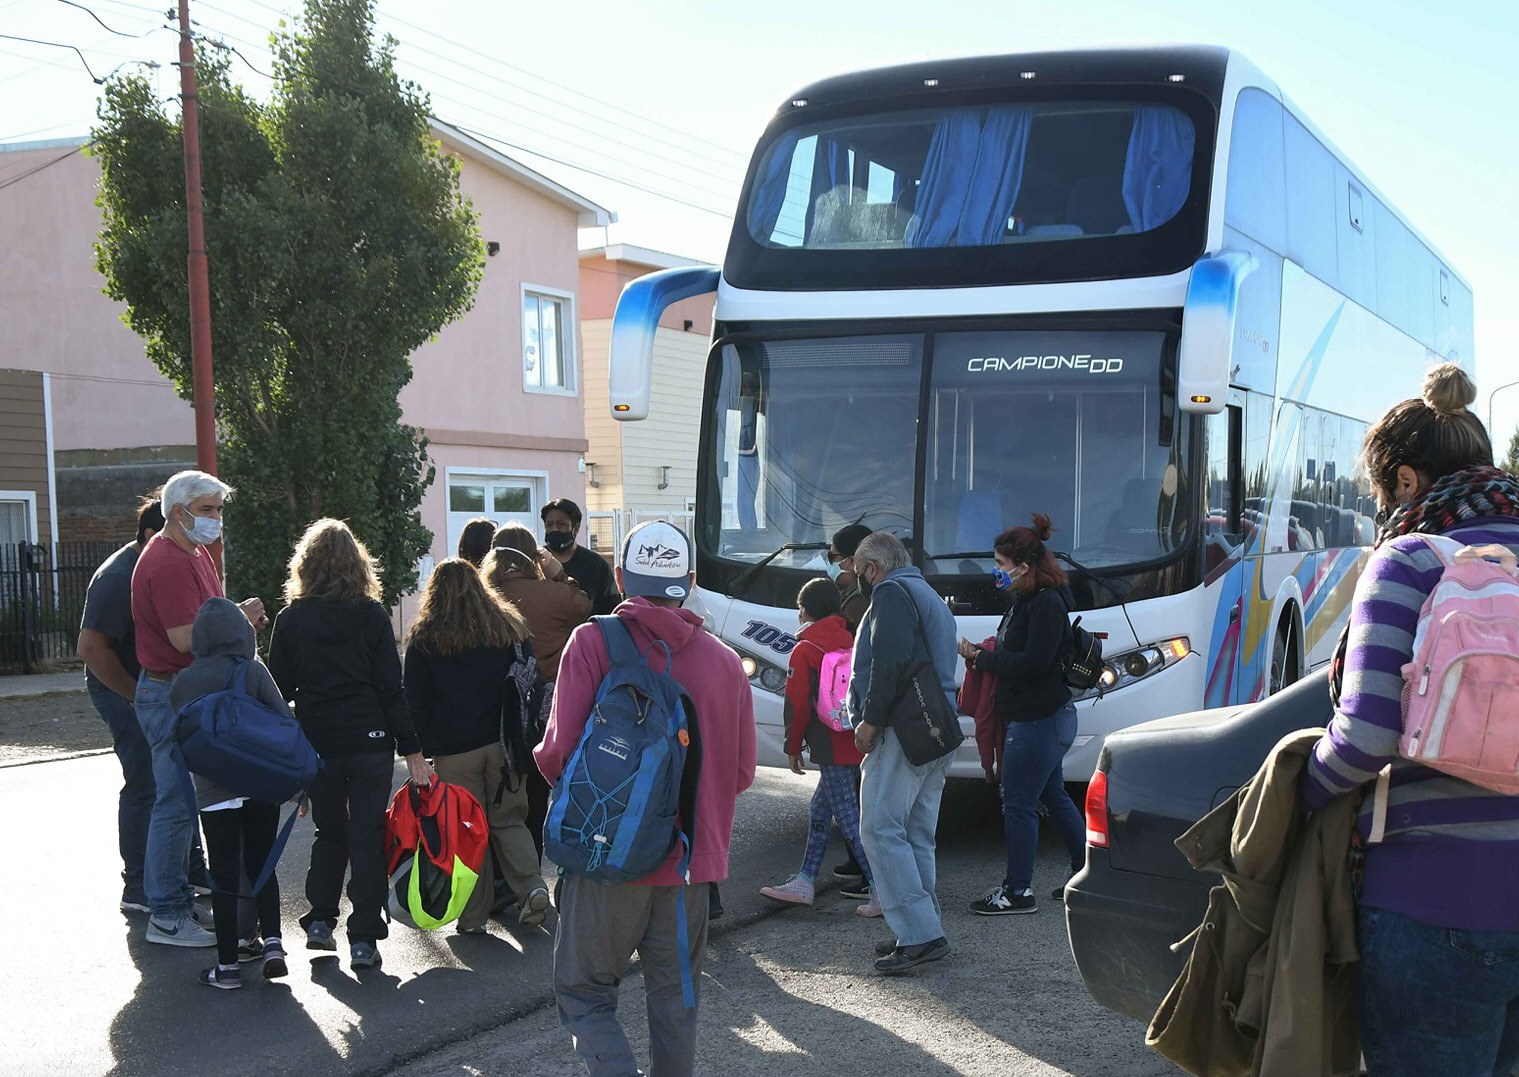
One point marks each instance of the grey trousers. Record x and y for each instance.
(600, 927)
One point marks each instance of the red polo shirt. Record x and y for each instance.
(168, 588)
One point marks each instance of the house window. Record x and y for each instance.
(548, 337)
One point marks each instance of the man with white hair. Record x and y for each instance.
(906, 623)
(174, 575)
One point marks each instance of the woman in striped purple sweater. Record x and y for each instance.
(1439, 896)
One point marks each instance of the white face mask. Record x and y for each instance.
(203, 530)
(834, 570)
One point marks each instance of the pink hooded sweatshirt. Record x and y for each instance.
(709, 671)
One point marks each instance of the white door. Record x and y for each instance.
(502, 498)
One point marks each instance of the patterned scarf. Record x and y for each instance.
(1453, 500)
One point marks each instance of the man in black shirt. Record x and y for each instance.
(561, 523)
(108, 646)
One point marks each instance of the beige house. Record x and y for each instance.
(26, 461)
(638, 470)
(498, 393)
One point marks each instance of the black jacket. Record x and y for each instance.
(455, 700)
(589, 569)
(338, 663)
(1030, 640)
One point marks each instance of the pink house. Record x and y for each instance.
(499, 393)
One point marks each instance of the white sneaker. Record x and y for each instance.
(182, 932)
(871, 908)
(794, 891)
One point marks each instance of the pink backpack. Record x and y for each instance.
(833, 688)
(1461, 691)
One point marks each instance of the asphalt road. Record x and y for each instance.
(785, 989)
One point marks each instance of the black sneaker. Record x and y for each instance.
(249, 950)
(855, 889)
(1001, 902)
(319, 936)
(216, 976)
(886, 949)
(1059, 892)
(849, 869)
(905, 957)
(274, 960)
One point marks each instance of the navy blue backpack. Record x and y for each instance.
(628, 792)
(244, 746)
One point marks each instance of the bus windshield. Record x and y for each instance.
(810, 435)
(1079, 426)
(973, 176)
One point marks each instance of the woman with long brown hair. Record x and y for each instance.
(333, 655)
(534, 581)
(1034, 702)
(459, 659)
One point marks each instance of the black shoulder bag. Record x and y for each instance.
(925, 723)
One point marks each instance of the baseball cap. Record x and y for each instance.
(656, 561)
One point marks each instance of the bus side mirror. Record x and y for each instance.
(1207, 330)
(631, 366)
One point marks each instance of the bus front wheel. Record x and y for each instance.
(1284, 660)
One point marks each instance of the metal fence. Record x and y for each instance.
(42, 589)
(606, 529)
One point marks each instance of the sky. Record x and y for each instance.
(652, 107)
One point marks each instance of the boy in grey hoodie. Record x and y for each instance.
(239, 831)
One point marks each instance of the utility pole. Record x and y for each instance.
(200, 282)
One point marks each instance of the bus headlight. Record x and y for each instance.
(1126, 667)
(763, 674)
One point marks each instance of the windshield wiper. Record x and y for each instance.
(749, 573)
(1103, 578)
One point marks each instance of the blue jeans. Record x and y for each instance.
(835, 798)
(134, 805)
(164, 873)
(1032, 775)
(899, 805)
(1437, 999)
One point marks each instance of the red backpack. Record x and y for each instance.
(435, 840)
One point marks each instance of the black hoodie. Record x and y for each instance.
(338, 663)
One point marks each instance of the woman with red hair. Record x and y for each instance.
(1035, 704)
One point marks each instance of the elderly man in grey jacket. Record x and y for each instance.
(907, 622)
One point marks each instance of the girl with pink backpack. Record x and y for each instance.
(817, 688)
(1438, 860)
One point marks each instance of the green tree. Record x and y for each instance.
(1511, 464)
(338, 242)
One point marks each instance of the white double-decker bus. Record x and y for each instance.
(1133, 289)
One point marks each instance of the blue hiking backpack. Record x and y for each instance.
(242, 745)
(628, 792)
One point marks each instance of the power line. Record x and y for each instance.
(738, 154)
(45, 165)
(732, 178)
(588, 171)
(118, 33)
(58, 45)
(471, 107)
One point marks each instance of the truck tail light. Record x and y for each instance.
(1097, 810)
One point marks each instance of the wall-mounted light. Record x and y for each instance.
(590, 474)
(492, 248)
(664, 476)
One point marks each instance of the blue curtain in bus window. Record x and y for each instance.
(770, 192)
(995, 180)
(1158, 171)
(830, 167)
(946, 174)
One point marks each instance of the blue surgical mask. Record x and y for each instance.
(834, 570)
(203, 530)
(1003, 580)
